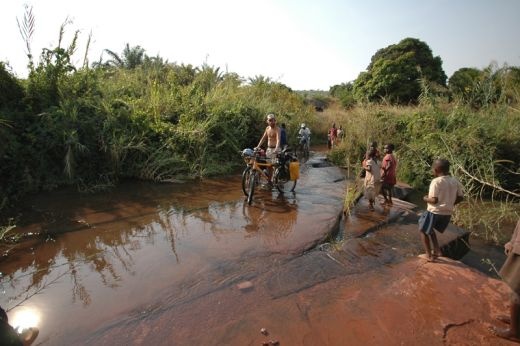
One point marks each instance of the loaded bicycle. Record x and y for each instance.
(285, 176)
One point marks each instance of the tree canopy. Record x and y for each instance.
(463, 80)
(395, 71)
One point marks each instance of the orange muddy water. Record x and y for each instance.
(93, 261)
(193, 264)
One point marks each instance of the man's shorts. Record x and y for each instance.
(270, 154)
(430, 221)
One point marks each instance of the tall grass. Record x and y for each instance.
(144, 118)
(482, 145)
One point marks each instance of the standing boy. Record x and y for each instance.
(388, 177)
(445, 191)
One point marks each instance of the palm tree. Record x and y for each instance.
(259, 80)
(209, 76)
(129, 59)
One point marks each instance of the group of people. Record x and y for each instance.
(380, 175)
(444, 192)
(277, 139)
(277, 136)
(334, 136)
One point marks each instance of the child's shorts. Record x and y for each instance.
(430, 221)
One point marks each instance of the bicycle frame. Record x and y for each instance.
(254, 173)
(258, 166)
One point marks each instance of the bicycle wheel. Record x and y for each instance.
(253, 178)
(306, 150)
(282, 180)
(245, 181)
(301, 150)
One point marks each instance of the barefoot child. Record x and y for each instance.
(510, 273)
(445, 191)
(388, 177)
(372, 182)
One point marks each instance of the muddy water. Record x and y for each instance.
(144, 247)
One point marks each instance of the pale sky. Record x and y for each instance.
(303, 44)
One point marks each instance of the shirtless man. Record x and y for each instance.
(272, 133)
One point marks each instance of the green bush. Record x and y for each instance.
(482, 146)
(143, 118)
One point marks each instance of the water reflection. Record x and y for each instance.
(270, 220)
(24, 318)
(119, 226)
(136, 243)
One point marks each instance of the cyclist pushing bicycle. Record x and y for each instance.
(272, 133)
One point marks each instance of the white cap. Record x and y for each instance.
(303, 125)
(270, 116)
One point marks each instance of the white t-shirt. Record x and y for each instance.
(373, 176)
(446, 188)
(304, 132)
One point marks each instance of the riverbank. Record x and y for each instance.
(194, 264)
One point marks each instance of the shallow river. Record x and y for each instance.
(117, 254)
(167, 263)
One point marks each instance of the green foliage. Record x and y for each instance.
(11, 91)
(133, 116)
(44, 80)
(481, 88)
(318, 101)
(345, 93)
(463, 81)
(482, 146)
(511, 92)
(394, 73)
(352, 195)
(131, 58)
